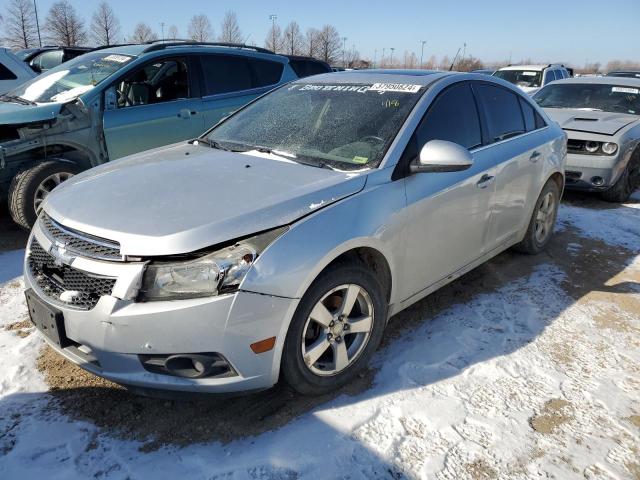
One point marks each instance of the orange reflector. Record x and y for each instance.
(263, 345)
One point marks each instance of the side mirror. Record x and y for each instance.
(441, 156)
(110, 99)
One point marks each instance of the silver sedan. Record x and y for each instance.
(278, 244)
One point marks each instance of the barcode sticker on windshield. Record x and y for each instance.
(633, 91)
(116, 58)
(394, 87)
(529, 74)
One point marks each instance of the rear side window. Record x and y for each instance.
(225, 73)
(453, 117)
(551, 76)
(265, 72)
(6, 74)
(529, 115)
(306, 68)
(502, 111)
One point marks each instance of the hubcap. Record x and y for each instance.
(337, 330)
(545, 217)
(45, 187)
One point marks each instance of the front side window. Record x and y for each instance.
(71, 79)
(452, 117)
(591, 96)
(521, 78)
(343, 126)
(264, 72)
(502, 111)
(47, 60)
(6, 74)
(164, 80)
(550, 76)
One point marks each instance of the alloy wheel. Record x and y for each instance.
(337, 330)
(46, 186)
(545, 217)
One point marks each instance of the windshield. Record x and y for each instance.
(521, 78)
(71, 79)
(606, 98)
(343, 126)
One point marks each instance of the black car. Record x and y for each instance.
(45, 58)
(624, 73)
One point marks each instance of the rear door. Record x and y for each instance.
(514, 148)
(158, 104)
(448, 213)
(231, 81)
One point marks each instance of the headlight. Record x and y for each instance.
(218, 272)
(592, 147)
(609, 148)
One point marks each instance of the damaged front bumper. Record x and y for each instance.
(117, 338)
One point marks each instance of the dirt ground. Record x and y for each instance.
(590, 276)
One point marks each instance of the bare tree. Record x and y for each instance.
(293, 41)
(200, 28)
(142, 33)
(172, 33)
(20, 27)
(330, 45)
(352, 58)
(105, 26)
(469, 63)
(274, 38)
(311, 42)
(410, 59)
(64, 26)
(230, 30)
(445, 63)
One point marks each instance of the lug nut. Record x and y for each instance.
(332, 323)
(345, 327)
(329, 336)
(338, 339)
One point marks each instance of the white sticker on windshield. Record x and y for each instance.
(529, 74)
(394, 87)
(116, 58)
(633, 91)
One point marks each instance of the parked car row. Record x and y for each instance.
(277, 244)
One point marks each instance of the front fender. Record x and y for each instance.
(372, 218)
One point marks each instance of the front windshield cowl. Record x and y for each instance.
(340, 126)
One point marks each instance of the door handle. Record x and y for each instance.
(534, 156)
(485, 181)
(186, 113)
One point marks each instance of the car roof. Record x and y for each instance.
(138, 50)
(531, 67)
(417, 77)
(620, 81)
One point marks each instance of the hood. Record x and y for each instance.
(529, 90)
(18, 114)
(603, 123)
(183, 198)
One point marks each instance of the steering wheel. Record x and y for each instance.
(372, 139)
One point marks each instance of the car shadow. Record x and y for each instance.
(469, 312)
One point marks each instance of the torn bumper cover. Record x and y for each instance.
(120, 339)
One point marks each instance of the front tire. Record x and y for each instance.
(626, 184)
(335, 330)
(542, 220)
(30, 187)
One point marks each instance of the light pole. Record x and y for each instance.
(391, 58)
(375, 55)
(382, 59)
(162, 27)
(273, 31)
(344, 46)
(422, 51)
(35, 9)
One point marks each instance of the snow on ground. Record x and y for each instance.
(523, 381)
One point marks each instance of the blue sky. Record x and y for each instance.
(571, 31)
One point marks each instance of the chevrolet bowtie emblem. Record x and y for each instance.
(60, 255)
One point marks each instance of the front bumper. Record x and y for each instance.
(117, 330)
(592, 172)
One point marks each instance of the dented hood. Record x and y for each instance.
(604, 123)
(182, 198)
(18, 114)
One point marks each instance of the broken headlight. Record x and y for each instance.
(219, 272)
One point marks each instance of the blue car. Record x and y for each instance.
(116, 101)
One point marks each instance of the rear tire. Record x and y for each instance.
(542, 221)
(29, 188)
(326, 346)
(626, 184)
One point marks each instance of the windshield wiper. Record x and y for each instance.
(16, 99)
(214, 144)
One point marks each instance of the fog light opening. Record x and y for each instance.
(188, 365)
(597, 181)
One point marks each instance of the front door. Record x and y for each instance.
(155, 108)
(448, 214)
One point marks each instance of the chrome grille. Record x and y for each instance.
(53, 280)
(80, 243)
